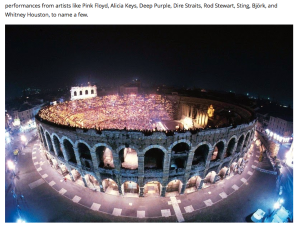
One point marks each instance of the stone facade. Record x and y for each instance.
(84, 92)
(65, 145)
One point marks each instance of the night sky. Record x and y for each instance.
(254, 59)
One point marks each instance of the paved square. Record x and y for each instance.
(255, 161)
(165, 213)
(117, 212)
(52, 183)
(95, 206)
(45, 176)
(39, 169)
(228, 177)
(141, 214)
(189, 209)
(253, 166)
(244, 180)
(36, 183)
(235, 187)
(208, 202)
(223, 195)
(76, 199)
(62, 191)
(250, 173)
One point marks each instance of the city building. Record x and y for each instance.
(26, 112)
(280, 126)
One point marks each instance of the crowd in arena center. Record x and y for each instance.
(133, 112)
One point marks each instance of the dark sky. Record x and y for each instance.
(257, 59)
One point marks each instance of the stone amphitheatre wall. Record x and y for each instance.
(232, 144)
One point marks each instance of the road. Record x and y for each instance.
(222, 202)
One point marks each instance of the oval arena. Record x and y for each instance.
(143, 146)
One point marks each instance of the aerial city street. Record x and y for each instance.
(172, 123)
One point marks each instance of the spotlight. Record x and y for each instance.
(276, 205)
(20, 220)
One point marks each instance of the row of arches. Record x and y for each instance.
(86, 92)
(151, 188)
(102, 156)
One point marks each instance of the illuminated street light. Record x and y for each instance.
(281, 201)
(20, 220)
(10, 165)
(277, 205)
(23, 138)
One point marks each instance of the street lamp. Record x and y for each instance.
(277, 205)
(11, 165)
(23, 138)
(20, 220)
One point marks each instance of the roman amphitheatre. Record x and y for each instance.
(145, 145)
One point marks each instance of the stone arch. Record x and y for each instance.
(234, 159)
(104, 156)
(91, 181)
(128, 157)
(219, 147)
(86, 92)
(193, 183)
(223, 171)
(210, 177)
(180, 141)
(110, 186)
(80, 92)
(123, 146)
(130, 188)
(201, 154)
(57, 146)
(252, 134)
(240, 143)
(76, 174)
(64, 169)
(179, 155)
(151, 179)
(152, 189)
(92, 91)
(155, 146)
(75, 93)
(230, 146)
(43, 136)
(84, 151)
(49, 142)
(154, 158)
(246, 142)
(99, 145)
(181, 147)
(65, 137)
(69, 149)
(174, 187)
(82, 141)
(202, 143)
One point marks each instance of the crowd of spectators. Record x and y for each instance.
(133, 112)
